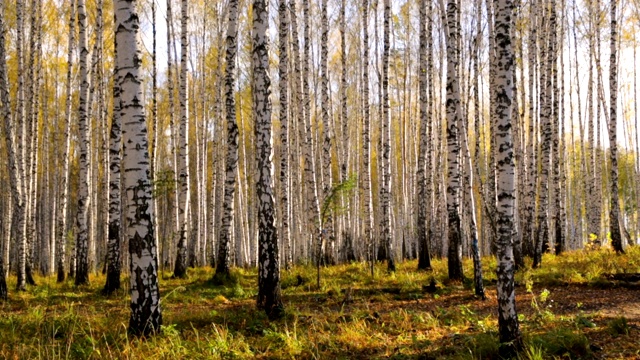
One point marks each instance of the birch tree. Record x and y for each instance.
(385, 192)
(313, 204)
(115, 196)
(180, 270)
(508, 327)
(327, 235)
(20, 132)
(82, 245)
(6, 123)
(146, 317)
(614, 209)
(366, 138)
(283, 39)
(231, 162)
(269, 294)
(453, 112)
(424, 259)
(546, 134)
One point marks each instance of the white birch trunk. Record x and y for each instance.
(146, 317)
(269, 295)
(508, 328)
(5, 102)
(223, 262)
(386, 236)
(453, 112)
(283, 71)
(614, 209)
(184, 201)
(82, 259)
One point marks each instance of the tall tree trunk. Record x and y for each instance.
(614, 209)
(327, 235)
(508, 328)
(269, 295)
(346, 234)
(283, 72)
(20, 131)
(528, 220)
(146, 317)
(231, 162)
(174, 131)
(115, 195)
(387, 234)
(559, 228)
(180, 270)
(299, 116)
(422, 200)
(5, 101)
(366, 139)
(32, 139)
(313, 204)
(154, 123)
(453, 109)
(546, 131)
(64, 193)
(82, 258)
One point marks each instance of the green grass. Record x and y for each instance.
(388, 316)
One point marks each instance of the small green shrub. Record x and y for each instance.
(486, 346)
(563, 342)
(618, 326)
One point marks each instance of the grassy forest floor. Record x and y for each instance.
(570, 308)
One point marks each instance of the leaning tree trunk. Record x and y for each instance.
(231, 162)
(453, 111)
(508, 328)
(146, 317)
(180, 270)
(269, 296)
(614, 209)
(82, 258)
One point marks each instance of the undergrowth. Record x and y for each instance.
(351, 315)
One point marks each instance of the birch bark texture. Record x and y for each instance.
(146, 317)
(269, 294)
(115, 193)
(424, 258)
(283, 72)
(64, 193)
(182, 153)
(546, 134)
(20, 164)
(614, 209)
(231, 162)
(82, 239)
(5, 102)
(508, 327)
(387, 234)
(326, 220)
(453, 113)
(366, 139)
